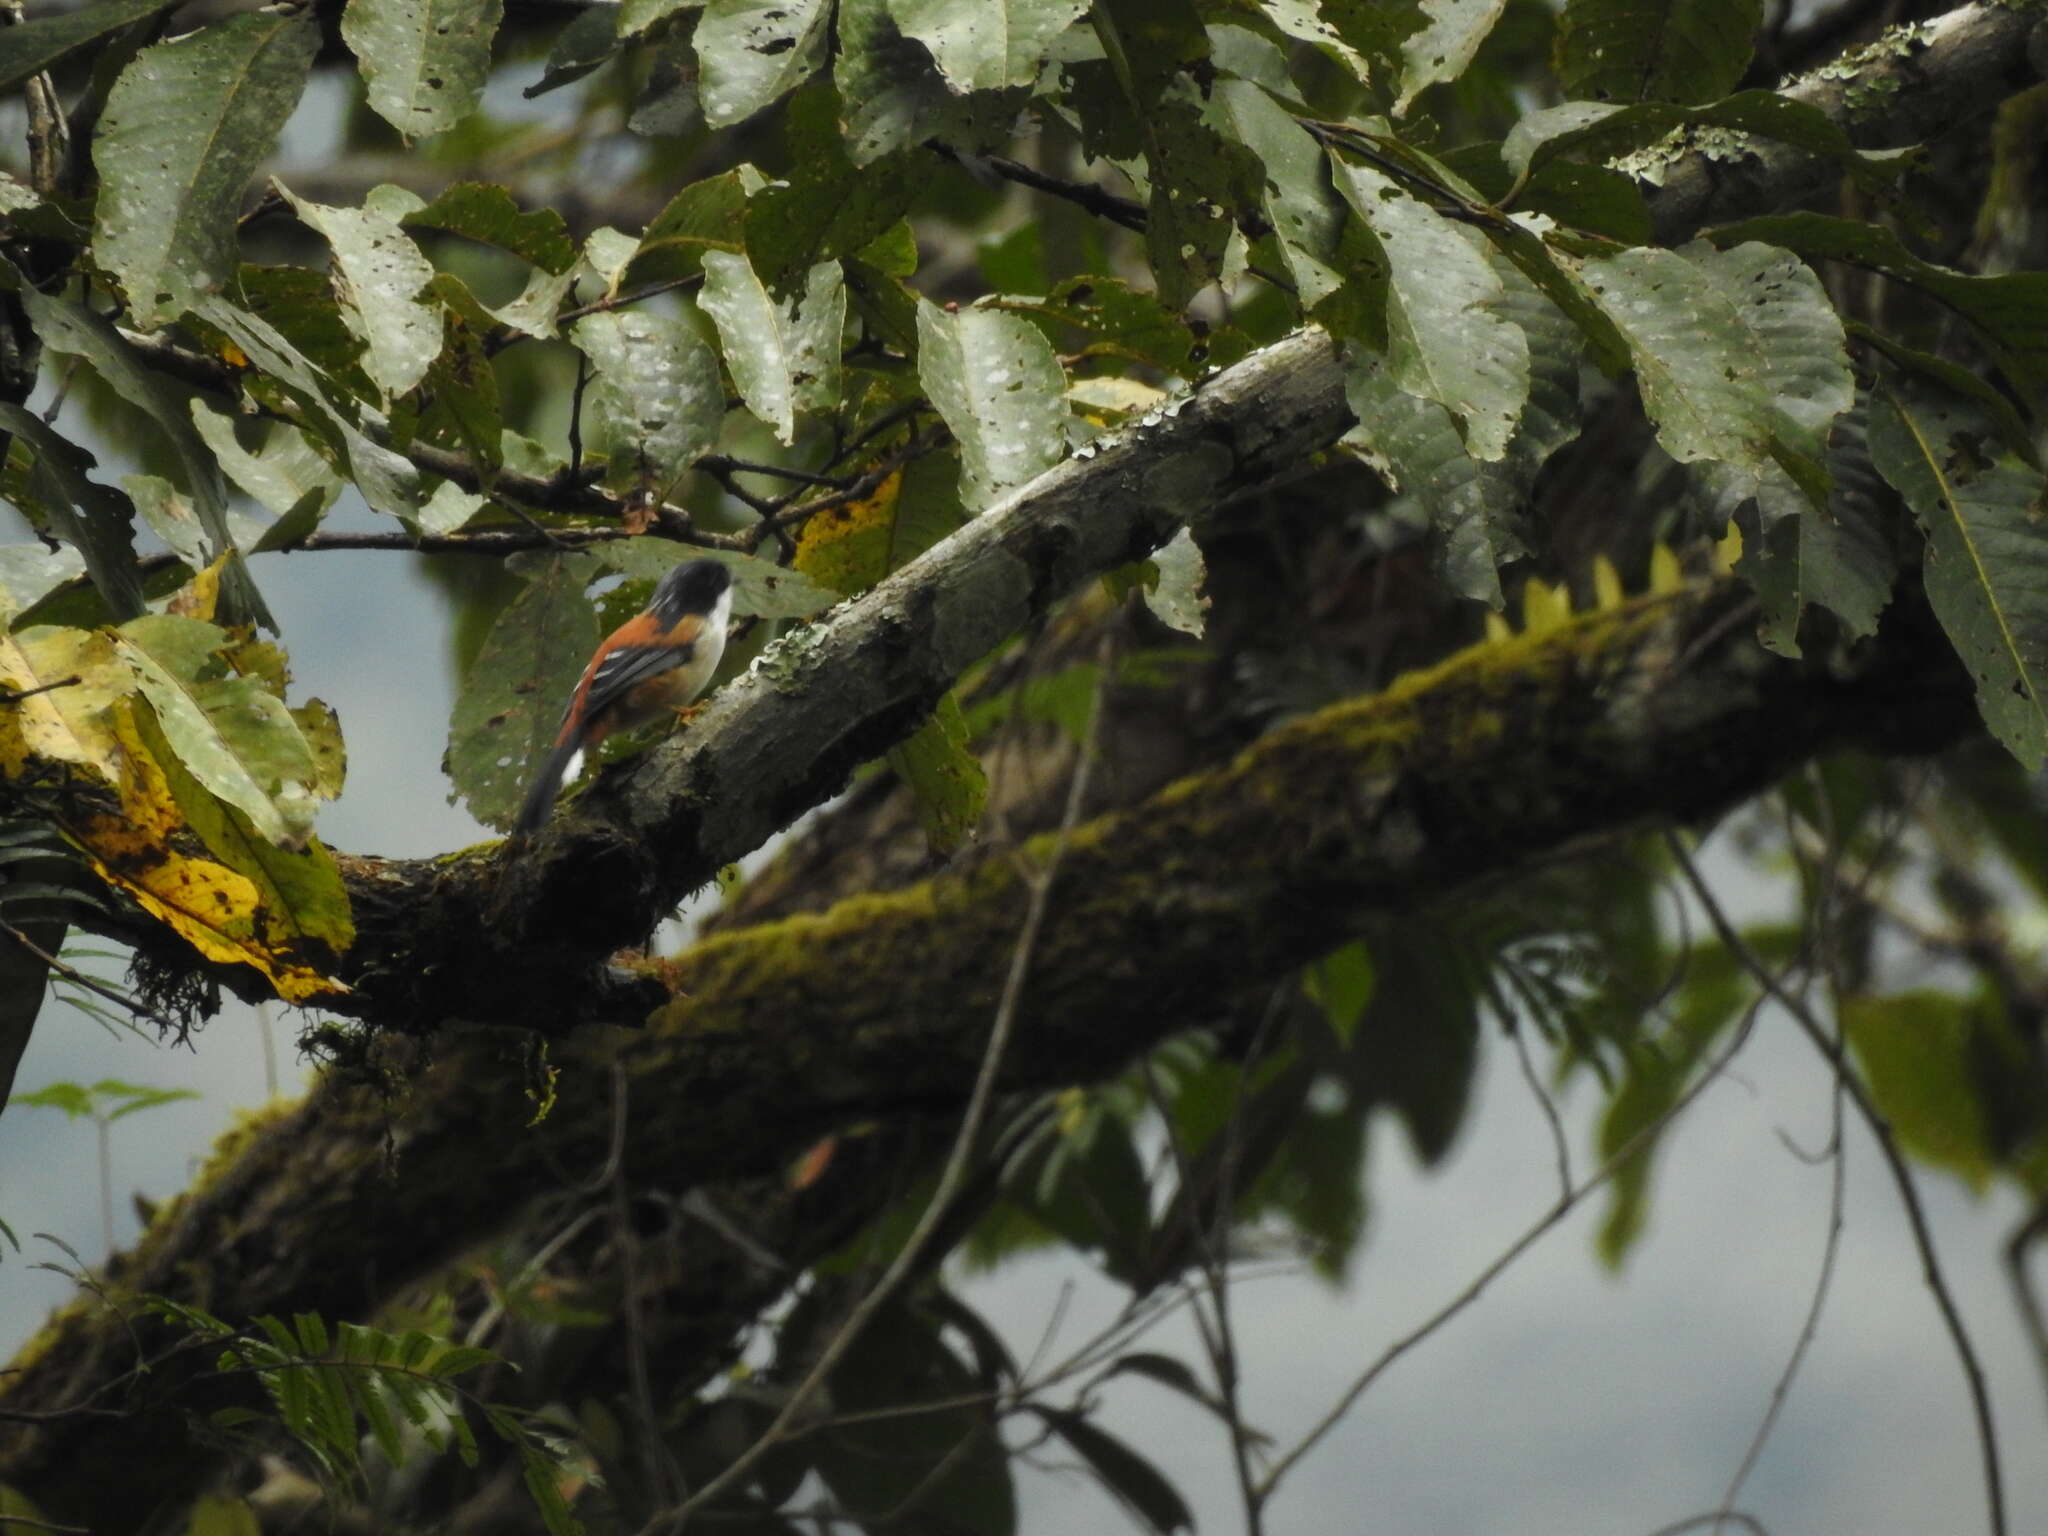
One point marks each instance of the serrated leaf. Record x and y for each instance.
(511, 701)
(656, 395)
(1738, 353)
(1450, 36)
(1446, 338)
(29, 47)
(96, 520)
(1472, 504)
(752, 52)
(184, 129)
(426, 61)
(1655, 50)
(2010, 309)
(231, 733)
(998, 386)
(945, 776)
(782, 355)
(1986, 569)
(984, 45)
(378, 274)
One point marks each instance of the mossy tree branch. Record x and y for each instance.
(1506, 755)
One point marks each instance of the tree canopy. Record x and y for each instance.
(1263, 533)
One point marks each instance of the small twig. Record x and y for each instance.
(1747, 1521)
(9, 696)
(1560, 1147)
(951, 1179)
(1902, 1178)
(78, 978)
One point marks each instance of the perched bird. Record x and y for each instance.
(658, 660)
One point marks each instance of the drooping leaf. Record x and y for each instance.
(1924, 1055)
(589, 40)
(997, 384)
(378, 274)
(706, 215)
(301, 918)
(1446, 338)
(1300, 200)
(30, 47)
(1655, 50)
(945, 777)
(282, 474)
(987, 45)
(782, 354)
(1986, 570)
(752, 52)
(233, 735)
(1175, 595)
(1449, 38)
(96, 520)
(426, 61)
(388, 482)
(183, 131)
(1738, 353)
(656, 394)
(1137, 1484)
(513, 695)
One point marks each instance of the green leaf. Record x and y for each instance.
(67, 328)
(995, 381)
(512, 698)
(1450, 36)
(1473, 505)
(1341, 983)
(233, 735)
(302, 916)
(781, 354)
(1446, 338)
(1300, 201)
(759, 587)
(2011, 309)
(1660, 131)
(30, 47)
(944, 775)
(589, 40)
(184, 129)
(637, 16)
(1175, 593)
(1923, 1054)
(1738, 353)
(388, 482)
(285, 474)
(656, 395)
(752, 52)
(827, 208)
(425, 61)
(1655, 50)
(706, 215)
(1986, 570)
(378, 274)
(96, 520)
(72, 1098)
(1135, 1481)
(984, 45)
(486, 213)
(221, 1514)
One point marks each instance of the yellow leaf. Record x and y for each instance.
(1665, 572)
(847, 548)
(1728, 551)
(67, 722)
(1607, 591)
(200, 596)
(1544, 607)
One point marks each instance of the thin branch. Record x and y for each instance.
(1888, 1147)
(951, 1179)
(78, 978)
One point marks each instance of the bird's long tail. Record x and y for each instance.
(540, 800)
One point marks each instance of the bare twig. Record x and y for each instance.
(1902, 1178)
(951, 1179)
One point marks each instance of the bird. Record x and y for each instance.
(657, 661)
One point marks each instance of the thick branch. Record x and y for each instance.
(1505, 755)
